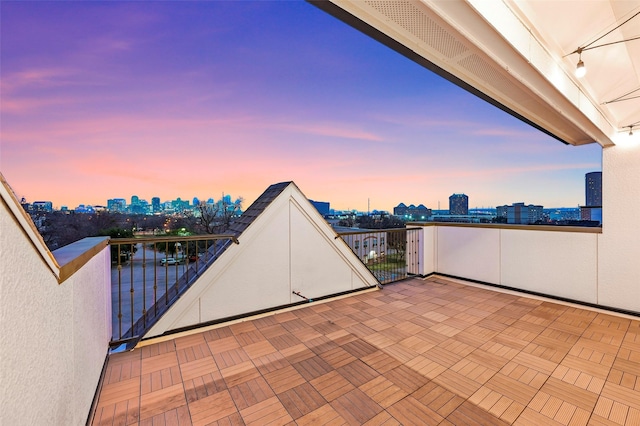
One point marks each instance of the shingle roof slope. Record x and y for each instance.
(271, 193)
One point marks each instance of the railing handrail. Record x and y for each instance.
(371, 231)
(162, 239)
(551, 228)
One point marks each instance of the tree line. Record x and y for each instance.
(60, 228)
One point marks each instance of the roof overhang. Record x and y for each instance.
(515, 56)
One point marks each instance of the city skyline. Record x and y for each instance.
(173, 98)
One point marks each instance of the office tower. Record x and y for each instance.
(459, 204)
(593, 189)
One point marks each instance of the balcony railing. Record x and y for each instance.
(149, 274)
(390, 254)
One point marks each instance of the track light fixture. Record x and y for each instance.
(580, 69)
(630, 127)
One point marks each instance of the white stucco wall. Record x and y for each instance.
(472, 253)
(53, 337)
(429, 249)
(557, 263)
(562, 264)
(619, 248)
(289, 247)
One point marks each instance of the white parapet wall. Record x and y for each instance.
(559, 262)
(54, 335)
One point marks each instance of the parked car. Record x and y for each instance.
(170, 261)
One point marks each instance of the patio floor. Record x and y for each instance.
(432, 351)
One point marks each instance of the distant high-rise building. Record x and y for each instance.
(117, 204)
(459, 204)
(593, 197)
(518, 213)
(593, 189)
(42, 206)
(155, 204)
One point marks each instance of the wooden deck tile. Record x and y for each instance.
(203, 386)
(193, 352)
(415, 352)
(406, 378)
(321, 345)
(268, 412)
(530, 417)
(442, 356)
(284, 379)
(212, 408)
(297, 353)
(119, 391)
(239, 373)
(159, 362)
(438, 399)
(379, 340)
(223, 344)
(410, 411)
(469, 414)
(123, 369)
(332, 385)
(301, 400)
(457, 383)
(525, 375)
(381, 362)
(383, 391)
(271, 330)
(230, 358)
(313, 367)
(160, 379)
(383, 419)
(176, 417)
(270, 362)
(622, 394)
(581, 398)
(190, 340)
(357, 372)
(322, 416)
(356, 407)
(474, 371)
(283, 341)
(198, 368)
(337, 357)
(428, 368)
(217, 334)
(259, 349)
(123, 412)
(511, 388)
(156, 349)
(162, 400)
(242, 327)
(250, 392)
(305, 334)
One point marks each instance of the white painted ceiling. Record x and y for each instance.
(518, 55)
(612, 71)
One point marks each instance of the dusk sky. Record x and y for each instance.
(107, 100)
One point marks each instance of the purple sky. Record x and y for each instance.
(183, 99)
